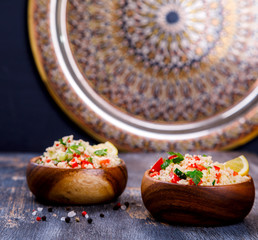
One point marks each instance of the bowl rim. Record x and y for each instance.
(32, 161)
(146, 174)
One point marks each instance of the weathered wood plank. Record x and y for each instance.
(17, 203)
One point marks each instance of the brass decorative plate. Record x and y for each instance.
(152, 75)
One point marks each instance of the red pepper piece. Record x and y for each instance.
(200, 167)
(84, 162)
(216, 168)
(191, 182)
(87, 156)
(154, 174)
(172, 157)
(74, 165)
(157, 166)
(174, 177)
(197, 158)
(235, 173)
(193, 165)
(104, 162)
(218, 175)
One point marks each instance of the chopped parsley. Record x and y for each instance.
(101, 152)
(179, 158)
(62, 142)
(196, 176)
(180, 173)
(75, 149)
(204, 155)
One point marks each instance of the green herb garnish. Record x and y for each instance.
(165, 164)
(213, 183)
(75, 149)
(69, 151)
(62, 142)
(204, 155)
(179, 157)
(101, 152)
(196, 176)
(180, 173)
(208, 168)
(89, 159)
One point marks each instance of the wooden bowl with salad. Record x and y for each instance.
(73, 172)
(192, 190)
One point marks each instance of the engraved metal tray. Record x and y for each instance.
(152, 75)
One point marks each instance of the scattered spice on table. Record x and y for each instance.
(71, 214)
(126, 204)
(123, 207)
(44, 218)
(39, 209)
(67, 219)
(50, 209)
(101, 215)
(117, 206)
(77, 219)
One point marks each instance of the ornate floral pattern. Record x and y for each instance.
(168, 62)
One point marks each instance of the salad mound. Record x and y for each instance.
(194, 170)
(70, 153)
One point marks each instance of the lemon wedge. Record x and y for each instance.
(239, 164)
(107, 145)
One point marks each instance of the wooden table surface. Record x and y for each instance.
(17, 204)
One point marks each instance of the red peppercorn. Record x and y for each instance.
(38, 218)
(84, 213)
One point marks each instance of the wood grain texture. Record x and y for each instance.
(17, 203)
(197, 205)
(76, 186)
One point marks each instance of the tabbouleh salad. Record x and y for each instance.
(194, 170)
(70, 153)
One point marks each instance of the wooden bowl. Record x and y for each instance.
(76, 186)
(197, 205)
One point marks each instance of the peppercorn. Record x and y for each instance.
(77, 219)
(67, 219)
(84, 213)
(50, 209)
(90, 220)
(44, 218)
(117, 206)
(68, 209)
(101, 215)
(126, 204)
(38, 218)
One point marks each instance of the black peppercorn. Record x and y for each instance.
(50, 209)
(44, 218)
(67, 219)
(90, 220)
(101, 215)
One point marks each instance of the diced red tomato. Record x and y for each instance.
(174, 177)
(197, 158)
(84, 163)
(154, 174)
(57, 144)
(216, 168)
(218, 175)
(200, 167)
(193, 165)
(74, 165)
(235, 173)
(157, 166)
(191, 182)
(104, 162)
(85, 155)
(48, 160)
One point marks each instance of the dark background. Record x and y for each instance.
(30, 119)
